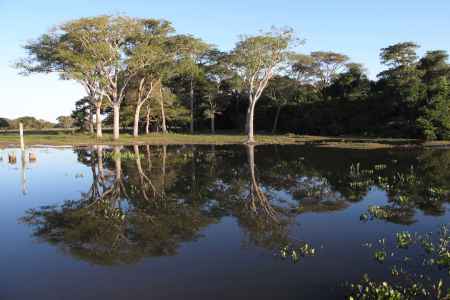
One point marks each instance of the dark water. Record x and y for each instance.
(204, 222)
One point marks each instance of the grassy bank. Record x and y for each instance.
(70, 137)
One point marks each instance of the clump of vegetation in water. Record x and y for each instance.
(288, 254)
(380, 255)
(439, 246)
(409, 285)
(123, 156)
(297, 209)
(378, 212)
(383, 290)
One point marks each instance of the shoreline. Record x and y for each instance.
(41, 139)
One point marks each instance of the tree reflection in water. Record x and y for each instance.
(144, 206)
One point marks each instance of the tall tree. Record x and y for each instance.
(98, 52)
(106, 39)
(218, 71)
(258, 58)
(403, 92)
(434, 63)
(304, 69)
(57, 51)
(279, 89)
(327, 66)
(193, 61)
(163, 55)
(350, 85)
(149, 47)
(402, 60)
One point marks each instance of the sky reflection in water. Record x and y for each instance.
(202, 222)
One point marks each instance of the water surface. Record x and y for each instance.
(211, 222)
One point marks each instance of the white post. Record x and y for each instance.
(21, 136)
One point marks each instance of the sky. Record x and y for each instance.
(356, 28)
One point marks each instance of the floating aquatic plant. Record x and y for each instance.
(378, 212)
(123, 156)
(412, 285)
(287, 253)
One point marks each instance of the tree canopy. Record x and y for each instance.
(120, 60)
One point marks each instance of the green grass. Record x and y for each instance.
(68, 137)
(71, 137)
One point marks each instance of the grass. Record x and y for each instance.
(70, 137)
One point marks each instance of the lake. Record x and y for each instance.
(224, 222)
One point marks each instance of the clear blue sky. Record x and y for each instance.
(356, 28)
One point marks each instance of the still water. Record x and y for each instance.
(222, 222)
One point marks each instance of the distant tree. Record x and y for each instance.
(65, 121)
(28, 122)
(4, 123)
(43, 124)
(81, 112)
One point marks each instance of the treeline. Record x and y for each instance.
(139, 73)
(28, 123)
(326, 94)
(409, 100)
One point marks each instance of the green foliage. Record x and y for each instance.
(65, 121)
(123, 156)
(4, 123)
(120, 60)
(28, 123)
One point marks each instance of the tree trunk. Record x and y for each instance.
(99, 121)
(162, 112)
(247, 120)
(236, 112)
(148, 118)
(136, 121)
(276, 117)
(116, 108)
(250, 122)
(212, 124)
(91, 116)
(191, 94)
